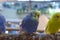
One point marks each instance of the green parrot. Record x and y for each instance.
(53, 25)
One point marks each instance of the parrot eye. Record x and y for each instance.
(38, 15)
(57, 16)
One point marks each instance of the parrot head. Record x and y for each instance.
(56, 17)
(35, 15)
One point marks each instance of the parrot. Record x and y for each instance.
(2, 24)
(30, 22)
(53, 24)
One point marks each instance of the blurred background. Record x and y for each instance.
(15, 10)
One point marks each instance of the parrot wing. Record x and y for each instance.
(52, 27)
(29, 25)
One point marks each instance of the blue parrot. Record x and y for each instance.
(30, 22)
(2, 24)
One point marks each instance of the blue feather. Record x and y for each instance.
(29, 24)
